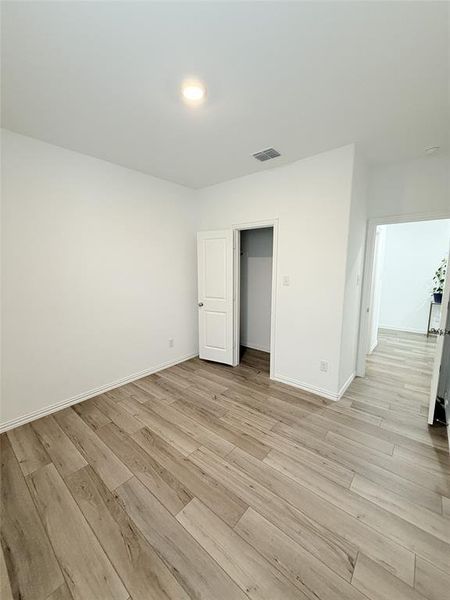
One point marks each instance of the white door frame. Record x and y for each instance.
(438, 353)
(372, 224)
(237, 228)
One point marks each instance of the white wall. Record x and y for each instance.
(356, 238)
(256, 287)
(416, 186)
(412, 254)
(99, 271)
(403, 191)
(311, 200)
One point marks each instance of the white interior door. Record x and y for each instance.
(215, 295)
(440, 379)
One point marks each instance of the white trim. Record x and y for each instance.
(48, 410)
(313, 389)
(255, 224)
(259, 225)
(410, 218)
(405, 329)
(346, 385)
(253, 346)
(236, 296)
(372, 224)
(305, 387)
(438, 352)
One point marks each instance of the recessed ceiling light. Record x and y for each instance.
(193, 92)
(431, 149)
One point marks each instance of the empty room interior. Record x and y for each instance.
(225, 324)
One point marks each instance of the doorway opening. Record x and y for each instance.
(255, 248)
(403, 343)
(255, 296)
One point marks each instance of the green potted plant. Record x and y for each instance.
(439, 280)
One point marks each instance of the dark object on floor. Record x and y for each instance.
(439, 412)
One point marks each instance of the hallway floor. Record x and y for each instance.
(401, 364)
(210, 482)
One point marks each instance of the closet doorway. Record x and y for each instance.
(254, 295)
(256, 261)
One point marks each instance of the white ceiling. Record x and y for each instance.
(103, 78)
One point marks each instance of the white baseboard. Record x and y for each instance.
(405, 329)
(305, 387)
(253, 346)
(48, 410)
(346, 385)
(313, 389)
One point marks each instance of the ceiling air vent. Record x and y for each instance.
(266, 154)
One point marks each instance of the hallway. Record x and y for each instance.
(397, 384)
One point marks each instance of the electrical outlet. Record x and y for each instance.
(171, 343)
(286, 280)
(324, 366)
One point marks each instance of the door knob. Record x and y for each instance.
(200, 304)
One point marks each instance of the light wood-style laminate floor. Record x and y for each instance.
(214, 483)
